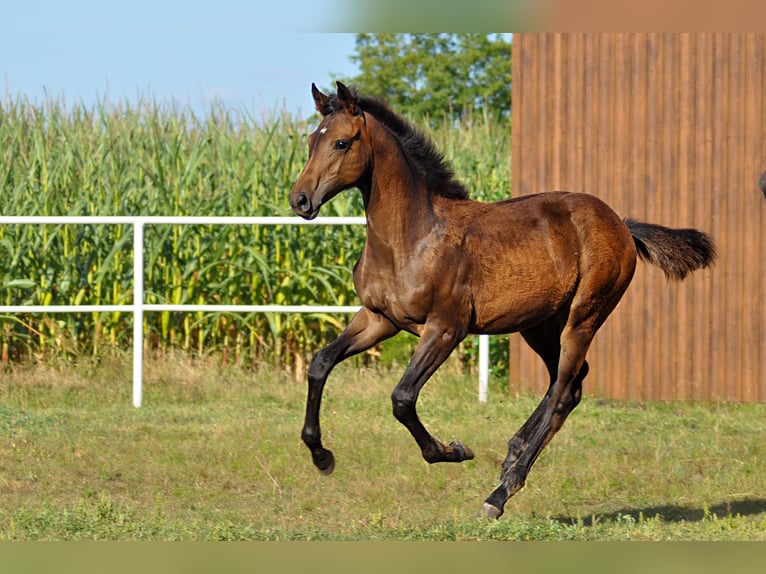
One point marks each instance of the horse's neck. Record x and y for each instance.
(396, 205)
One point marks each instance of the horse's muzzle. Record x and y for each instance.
(302, 205)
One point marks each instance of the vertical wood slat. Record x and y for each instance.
(670, 129)
(719, 82)
(758, 157)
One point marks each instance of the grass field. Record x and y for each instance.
(215, 454)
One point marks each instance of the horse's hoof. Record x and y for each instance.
(324, 460)
(461, 451)
(491, 511)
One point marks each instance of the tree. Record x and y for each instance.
(436, 74)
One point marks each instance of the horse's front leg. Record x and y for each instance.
(365, 330)
(436, 344)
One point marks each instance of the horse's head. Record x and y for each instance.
(339, 152)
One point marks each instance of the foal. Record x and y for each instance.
(551, 266)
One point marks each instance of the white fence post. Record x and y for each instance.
(138, 312)
(138, 307)
(483, 367)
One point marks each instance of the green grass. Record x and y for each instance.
(215, 454)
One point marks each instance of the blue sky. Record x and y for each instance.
(259, 55)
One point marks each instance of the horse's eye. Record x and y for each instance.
(342, 145)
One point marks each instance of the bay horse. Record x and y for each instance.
(551, 266)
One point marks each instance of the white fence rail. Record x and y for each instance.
(138, 308)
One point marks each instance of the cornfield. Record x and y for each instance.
(160, 159)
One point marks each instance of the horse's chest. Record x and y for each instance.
(402, 298)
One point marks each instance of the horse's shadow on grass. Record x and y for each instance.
(674, 513)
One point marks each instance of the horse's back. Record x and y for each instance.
(531, 253)
(557, 202)
(575, 217)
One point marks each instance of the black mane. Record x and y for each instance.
(423, 155)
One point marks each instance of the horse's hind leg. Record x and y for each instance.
(544, 340)
(596, 297)
(562, 397)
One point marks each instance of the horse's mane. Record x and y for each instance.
(416, 145)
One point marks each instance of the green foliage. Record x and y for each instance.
(153, 159)
(435, 75)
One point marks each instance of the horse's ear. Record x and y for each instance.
(347, 99)
(320, 99)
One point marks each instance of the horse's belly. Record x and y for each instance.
(522, 300)
(507, 314)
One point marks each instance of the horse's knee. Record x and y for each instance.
(319, 367)
(403, 404)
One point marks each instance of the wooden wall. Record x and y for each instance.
(669, 129)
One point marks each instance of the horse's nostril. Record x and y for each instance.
(303, 202)
(300, 202)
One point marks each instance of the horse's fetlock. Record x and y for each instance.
(311, 437)
(433, 453)
(514, 476)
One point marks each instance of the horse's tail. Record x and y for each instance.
(677, 252)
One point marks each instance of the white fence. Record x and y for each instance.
(138, 308)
